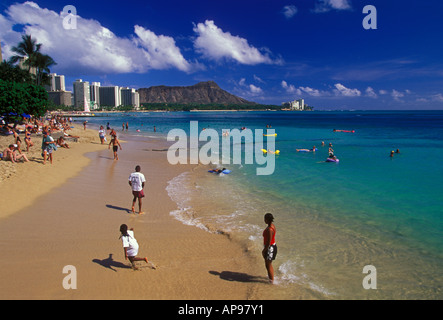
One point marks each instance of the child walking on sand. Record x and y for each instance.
(130, 246)
(115, 144)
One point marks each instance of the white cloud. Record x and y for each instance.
(438, 97)
(255, 90)
(289, 11)
(327, 5)
(8, 37)
(162, 52)
(248, 90)
(339, 4)
(258, 79)
(290, 88)
(397, 95)
(314, 92)
(215, 44)
(300, 91)
(341, 90)
(91, 47)
(371, 93)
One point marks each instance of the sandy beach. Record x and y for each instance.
(25, 181)
(69, 213)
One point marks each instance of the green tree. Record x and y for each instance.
(27, 48)
(9, 72)
(22, 98)
(42, 62)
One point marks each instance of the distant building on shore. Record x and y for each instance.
(82, 95)
(56, 83)
(60, 98)
(297, 105)
(94, 90)
(57, 92)
(109, 96)
(97, 96)
(130, 97)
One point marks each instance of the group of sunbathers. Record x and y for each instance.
(13, 152)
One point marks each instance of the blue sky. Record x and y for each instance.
(267, 51)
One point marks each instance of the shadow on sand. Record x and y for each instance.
(239, 277)
(110, 206)
(109, 263)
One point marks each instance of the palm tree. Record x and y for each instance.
(27, 48)
(42, 62)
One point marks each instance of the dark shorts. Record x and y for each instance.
(115, 148)
(138, 194)
(272, 253)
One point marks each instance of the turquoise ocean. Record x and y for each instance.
(332, 219)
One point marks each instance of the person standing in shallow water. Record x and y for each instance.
(115, 144)
(270, 247)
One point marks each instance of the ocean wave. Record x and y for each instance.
(181, 189)
(289, 273)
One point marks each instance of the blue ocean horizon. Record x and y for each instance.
(332, 218)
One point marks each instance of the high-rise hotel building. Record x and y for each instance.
(56, 82)
(94, 90)
(130, 97)
(109, 96)
(98, 96)
(56, 90)
(81, 94)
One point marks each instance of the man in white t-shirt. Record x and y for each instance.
(137, 182)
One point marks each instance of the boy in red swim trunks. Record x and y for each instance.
(137, 182)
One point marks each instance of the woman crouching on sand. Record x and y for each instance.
(270, 248)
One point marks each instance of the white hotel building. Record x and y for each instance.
(57, 83)
(104, 96)
(81, 94)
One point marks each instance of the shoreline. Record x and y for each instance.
(76, 221)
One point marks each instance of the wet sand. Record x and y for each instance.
(76, 222)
